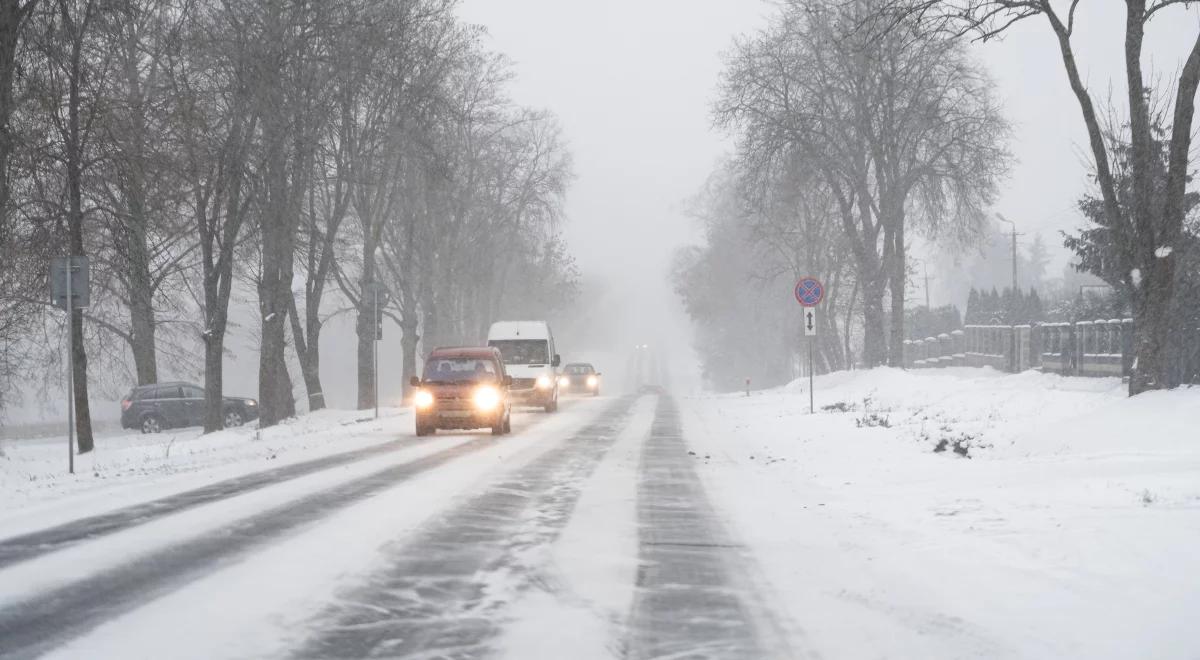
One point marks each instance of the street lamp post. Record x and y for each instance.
(1014, 251)
(1012, 312)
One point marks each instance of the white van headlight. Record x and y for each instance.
(423, 399)
(543, 382)
(487, 398)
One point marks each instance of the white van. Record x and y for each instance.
(528, 351)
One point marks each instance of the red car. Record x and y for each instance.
(463, 388)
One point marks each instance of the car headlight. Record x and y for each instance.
(543, 382)
(423, 399)
(592, 381)
(564, 382)
(487, 398)
(251, 403)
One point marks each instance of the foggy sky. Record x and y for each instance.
(632, 81)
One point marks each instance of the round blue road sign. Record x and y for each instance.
(809, 291)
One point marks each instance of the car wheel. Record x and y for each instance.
(498, 429)
(552, 406)
(508, 423)
(152, 424)
(423, 430)
(233, 418)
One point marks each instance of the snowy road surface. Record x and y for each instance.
(406, 548)
(958, 513)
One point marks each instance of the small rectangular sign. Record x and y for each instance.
(78, 269)
(810, 321)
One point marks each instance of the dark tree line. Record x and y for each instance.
(318, 156)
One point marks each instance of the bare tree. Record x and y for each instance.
(1151, 227)
(70, 69)
(212, 83)
(140, 188)
(14, 15)
(899, 122)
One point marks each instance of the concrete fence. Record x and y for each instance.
(1086, 348)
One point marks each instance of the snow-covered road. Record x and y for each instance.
(443, 547)
(636, 527)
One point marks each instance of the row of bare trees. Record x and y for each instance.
(856, 127)
(881, 100)
(321, 157)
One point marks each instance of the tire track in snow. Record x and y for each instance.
(445, 591)
(691, 601)
(31, 627)
(28, 546)
(21, 548)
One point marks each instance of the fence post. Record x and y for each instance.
(1127, 347)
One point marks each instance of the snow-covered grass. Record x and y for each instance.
(36, 489)
(1066, 524)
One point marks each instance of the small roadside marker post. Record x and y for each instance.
(69, 291)
(809, 293)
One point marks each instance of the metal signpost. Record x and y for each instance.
(69, 291)
(379, 297)
(809, 293)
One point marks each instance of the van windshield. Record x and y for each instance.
(459, 370)
(523, 351)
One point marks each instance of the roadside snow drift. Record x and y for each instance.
(966, 513)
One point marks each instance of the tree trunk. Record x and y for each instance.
(366, 355)
(898, 285)
(874, 337)
(214, 354)
(1152, 331)
(408, 345)
(131, 174)
(73, 146)
(308, 355)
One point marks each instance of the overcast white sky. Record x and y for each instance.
(632, 81)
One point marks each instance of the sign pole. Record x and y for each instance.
(811, 340)
(375, 347)
(70, 368)
(809, 293)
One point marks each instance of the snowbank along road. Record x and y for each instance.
(446, 547)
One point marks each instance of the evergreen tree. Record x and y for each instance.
(973, 303)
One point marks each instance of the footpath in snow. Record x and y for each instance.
(964, 512)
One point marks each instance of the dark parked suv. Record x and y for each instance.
(153, 408)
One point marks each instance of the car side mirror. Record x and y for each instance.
(557, 360)
(598, 374)
(415, 381)
(508, 381)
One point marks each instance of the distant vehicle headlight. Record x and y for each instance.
(592, 381)
(251, 403)
(564, 382)
(487, 398)
(543, 382)
(423, 399)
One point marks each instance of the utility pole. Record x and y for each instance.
(1012, 313)
(925, 270)
(1014, 251)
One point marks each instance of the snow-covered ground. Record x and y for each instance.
(127, 468)
(1070, 528)
(949, 513)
